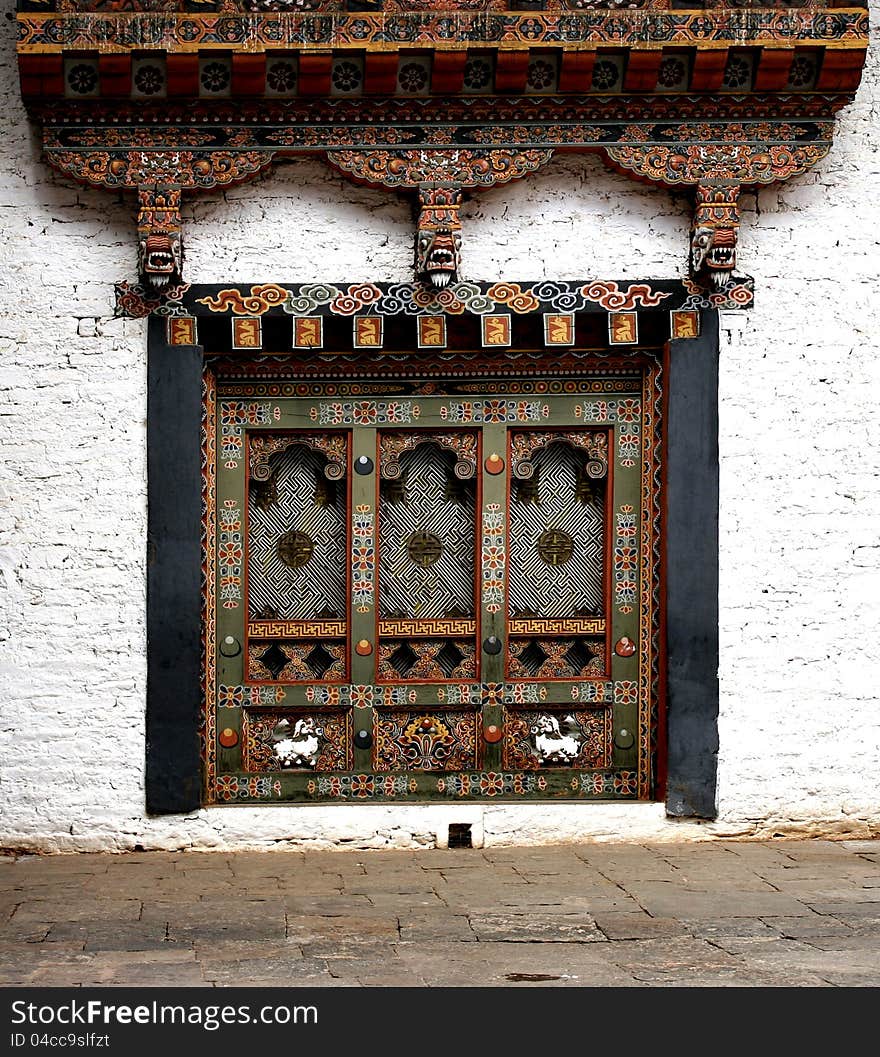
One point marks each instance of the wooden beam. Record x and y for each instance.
(380, 73)
(183, 75)
(314, 73)
(576, 71)
(641, 71)
(774, 65)
(249, 74)
(114, 71)
(30, 73)
(708, 70)
(841, 70)
(511, 70)
(447, 77)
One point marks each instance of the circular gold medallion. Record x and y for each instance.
(295, 549)
(424, 548)
(555, 546)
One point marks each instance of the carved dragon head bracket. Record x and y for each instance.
(160, 246)
(717, 174)
(438, 177)
(714, 235)
(438, 237)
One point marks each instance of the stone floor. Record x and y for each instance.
(774, 913)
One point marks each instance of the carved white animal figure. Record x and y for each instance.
(300, 748)
(552, 745)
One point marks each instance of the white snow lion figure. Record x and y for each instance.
(297, 747)
(551, 744)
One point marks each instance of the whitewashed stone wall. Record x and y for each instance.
(800, 483)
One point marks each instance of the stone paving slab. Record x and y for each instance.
(528, 928)
(729, 913)
(616, 925)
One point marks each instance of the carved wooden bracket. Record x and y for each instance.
(714, 234)
(438, 176)
(717, 171)
(438, 237)
(160, 249)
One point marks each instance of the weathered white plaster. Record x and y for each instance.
(800, 483)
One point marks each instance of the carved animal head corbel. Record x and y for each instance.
(714, 235)
(438, 239)
(160, 247)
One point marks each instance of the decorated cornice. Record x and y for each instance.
(436, 98)
(604, 26)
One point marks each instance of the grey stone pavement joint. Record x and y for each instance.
(780, 913)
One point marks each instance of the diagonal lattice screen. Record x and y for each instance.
(427, 538)
(557, 538)
(297, 544)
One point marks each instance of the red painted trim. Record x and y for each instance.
(576, 71)
(115, 75)
(448, 72)
(511, 70)
(380, 73)
(30, 73)
(314, 73)
(182, 72)
(841, 70)
(53, 75)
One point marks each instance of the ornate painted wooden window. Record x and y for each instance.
(438, 586)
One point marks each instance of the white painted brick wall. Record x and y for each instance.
(800, 455)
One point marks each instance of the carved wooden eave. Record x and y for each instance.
(438, 98)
